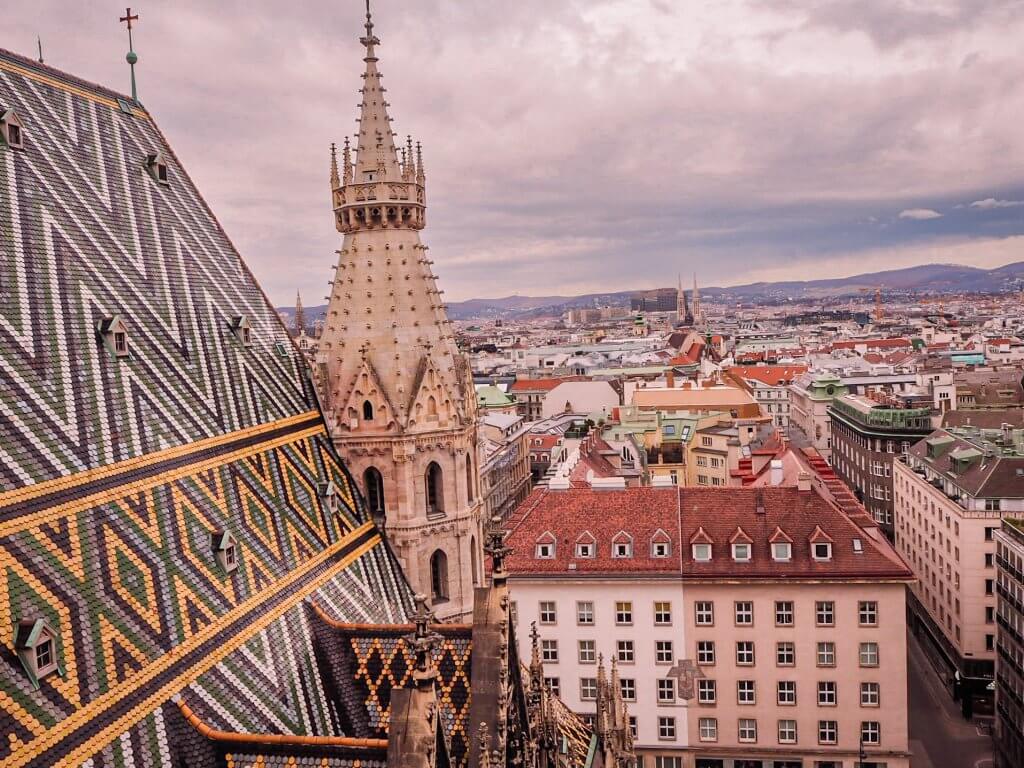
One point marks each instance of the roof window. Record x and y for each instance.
(242, 328)
(11, 129)
(157, 167)
(113, 334)
(225, 550)
(36, 645)
(622, 545)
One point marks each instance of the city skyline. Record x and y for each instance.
(802, 142)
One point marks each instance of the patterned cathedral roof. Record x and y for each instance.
(169, 497)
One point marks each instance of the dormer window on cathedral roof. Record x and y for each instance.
(242, 328)
(225, 550)
(329, 493)
(157, 167)
(11, 129)
(113, 334)
(36, 645)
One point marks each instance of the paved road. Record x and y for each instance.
(939, 736)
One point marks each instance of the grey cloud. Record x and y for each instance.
(990, 203)
(920, 214)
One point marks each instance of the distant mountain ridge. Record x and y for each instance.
(926, 278)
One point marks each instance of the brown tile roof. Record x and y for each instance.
(541, 385)
(683, 513)
(772, 375)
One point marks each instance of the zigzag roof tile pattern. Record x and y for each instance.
(117, 471)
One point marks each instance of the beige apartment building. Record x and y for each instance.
(951, 492)
(749, 628)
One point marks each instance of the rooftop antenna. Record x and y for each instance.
(132, 57)
(39, 43)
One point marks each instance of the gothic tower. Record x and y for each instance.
(397, 393)
(698, 314)
(300, 315)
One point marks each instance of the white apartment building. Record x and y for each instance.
(950, 495)
(749, 628)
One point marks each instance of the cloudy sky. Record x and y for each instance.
(579, 145)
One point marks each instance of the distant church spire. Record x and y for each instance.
(335, 180)
(300, 314)
(695, 301)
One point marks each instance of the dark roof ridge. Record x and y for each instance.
(60, 74)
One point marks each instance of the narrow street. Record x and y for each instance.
(939, 736)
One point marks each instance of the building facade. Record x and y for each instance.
(1009, 732)
(809, 399)
(951, 493)
(396, 390)
(747, 627)
(867, 436)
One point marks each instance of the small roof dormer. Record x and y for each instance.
(242, 328)
(113, 334)
(661, 544)
(821, 544)
(779, 535)
(622, 545)
(157, 167)
(701, 537)
(11, 129)
(544, 548)
(585, 545)
(36, 645)
(740, 537)
(225, 550)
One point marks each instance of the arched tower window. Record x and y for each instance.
(373, 482)
(367, 410)
(439, 576)
(434, 479)
(469, 478)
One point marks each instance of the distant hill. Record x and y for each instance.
(927, 278)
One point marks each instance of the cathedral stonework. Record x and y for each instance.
(397, 393)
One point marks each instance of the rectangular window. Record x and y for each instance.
(663, 652)
(826, 654)
(747, 730)
(785, 654)
(705, 652)
(667, 728)
(623, 612)
(624, 652)
(867, 613)
(628, 687)
(744, 613)
(871, 732)
(662, 613)
(704, 612)
(869, 654)
(547, 612)
(588, 688)
(549, 651)
(745, 692)
(784, 613)
(787, 731)
(707, 691)
(870, 695)
(632, 729)
(828, 731)
(708, 729)
(745, 653)
(825, 613)
(554, 684)
(585, 613)
(587, 651)
(662, 761)
(786, 693)
(667, 690)
(826, 693)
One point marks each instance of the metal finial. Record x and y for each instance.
(132, 57)
(39, 42)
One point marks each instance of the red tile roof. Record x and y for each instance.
(683, 513)
(540, 385)
(772, 375)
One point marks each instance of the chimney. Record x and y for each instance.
(670, 378)
(1007, 434)
(776, 472)
(803, 482)
(759, 507)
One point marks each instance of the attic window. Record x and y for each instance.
(225, 550)
(330, 496)
(622, 545)
(36, 645)
(242, 328)
(822, 551)
(782, 551)
(157, 167)
(114, 335)
(702, 553)
(584, 549)
(661, 549)
(545, 551)
(741, 552)
(11, 129)
(858, 546)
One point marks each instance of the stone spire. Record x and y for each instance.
(695, 301)
(300, 314)
(396, 391)
(335, 181)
